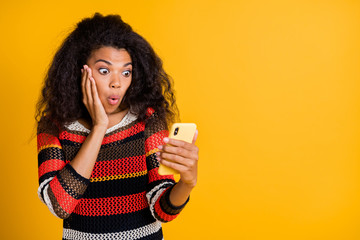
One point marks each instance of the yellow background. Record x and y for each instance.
(272, 85)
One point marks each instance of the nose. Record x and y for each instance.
(115, 82)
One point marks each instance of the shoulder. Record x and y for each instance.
(153, 124)
(48, 126)
(47, 134)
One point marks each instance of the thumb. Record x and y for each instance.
(195, 136)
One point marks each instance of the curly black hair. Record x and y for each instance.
(61, 97)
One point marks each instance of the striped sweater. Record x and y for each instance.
(125, 197)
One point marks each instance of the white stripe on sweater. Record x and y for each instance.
(42, 185)
(77, 126)
(160, 189)
(46, 200)
(130, 234)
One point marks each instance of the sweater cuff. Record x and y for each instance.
(168, 207)
(77, 175)
(72, 182)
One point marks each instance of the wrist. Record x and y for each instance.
(99, 128)
(179, 194)
(188, 185)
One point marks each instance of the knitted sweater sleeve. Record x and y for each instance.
(159, 187)
(60, 186)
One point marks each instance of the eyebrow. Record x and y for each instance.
(102, 60)
(109, 63)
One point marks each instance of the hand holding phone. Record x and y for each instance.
(179, 131)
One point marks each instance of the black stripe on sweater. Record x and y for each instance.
(119, 187)
(108, 224)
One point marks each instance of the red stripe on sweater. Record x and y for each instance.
(155, 140)
(72, 137)
(67, 202)
(44, 139)
(119, 166)
(111, 205)
(112, 138)
(154, 175)
(51, 165)
(125, 133)
(161, 213)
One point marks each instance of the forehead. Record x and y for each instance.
(110, 54)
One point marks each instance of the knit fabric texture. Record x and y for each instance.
(125, 197)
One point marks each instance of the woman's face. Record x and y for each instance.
(112, 71)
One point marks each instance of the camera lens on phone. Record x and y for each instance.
(176, 131)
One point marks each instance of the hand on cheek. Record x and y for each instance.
(91, 99)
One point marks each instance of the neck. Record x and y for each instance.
(115, 118)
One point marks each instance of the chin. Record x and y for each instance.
(113, 110)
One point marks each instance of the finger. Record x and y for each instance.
(88, 90)
(190, 163)
(92, 83)
(94, 91)
(83, 83)
(172, 157)
(178, 167)
(179, 143)
(177, 150)
(89, 72)
(195, 136)
(83, 76)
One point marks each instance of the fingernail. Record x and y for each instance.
(160, 147)
(157, 153)
(166, 140)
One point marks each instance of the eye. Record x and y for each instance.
(103, 71)
(126, 73)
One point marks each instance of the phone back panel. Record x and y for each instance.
(180, 131)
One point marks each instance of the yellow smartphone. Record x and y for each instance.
(180, 131)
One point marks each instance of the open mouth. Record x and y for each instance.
(113, 100)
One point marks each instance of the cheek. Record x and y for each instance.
(97, 76)
(127, 85)
(100, 86)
